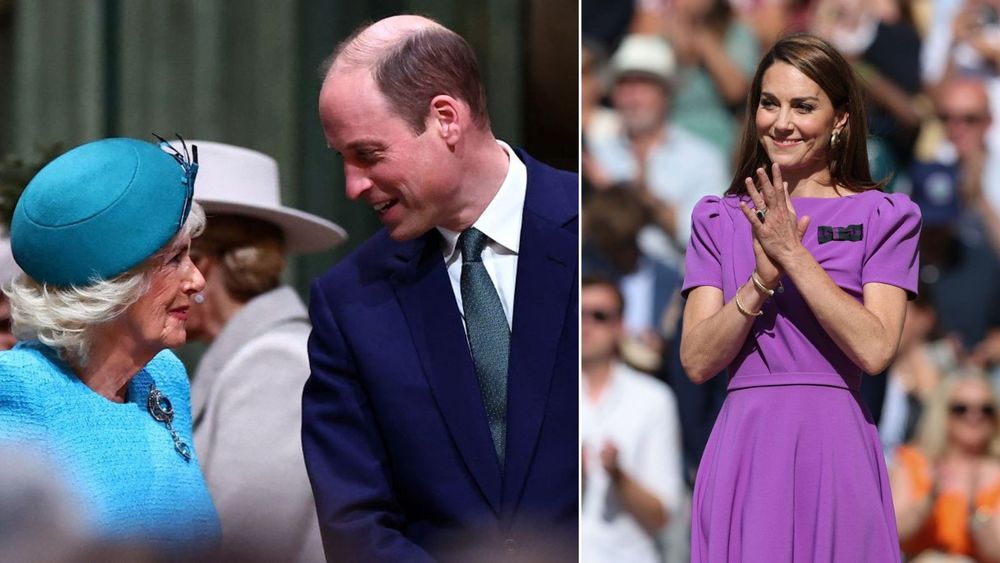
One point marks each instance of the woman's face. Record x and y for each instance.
(971, 416)
(795, 119)
(158, 319)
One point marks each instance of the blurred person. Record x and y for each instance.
(797, 280)
(963, 40)
(632, 483)
(9, 271)
(670, 167)
(40, 518)
(765, 19)
(881, 41)
(964, 109)
(613, 219)
(914, 375)
(247, 388)
(606, 21)
(103, 235)
(597, 122)
(15, 173)
(946, 485)
(961, 228)
(716, 56)
(440, 418)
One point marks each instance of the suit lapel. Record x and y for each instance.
(435, 324)
(546, 272)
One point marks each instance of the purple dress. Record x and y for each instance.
(793, 470)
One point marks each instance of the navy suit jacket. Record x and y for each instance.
(395, 434)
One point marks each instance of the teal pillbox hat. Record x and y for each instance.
(99, 210)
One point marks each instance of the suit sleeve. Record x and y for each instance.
(358, 514)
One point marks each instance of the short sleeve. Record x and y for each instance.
(702, 262)
(891, 253)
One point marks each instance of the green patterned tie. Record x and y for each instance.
(489, 335)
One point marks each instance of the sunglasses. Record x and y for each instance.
(963, 118)
(963, 409)
(599, 315)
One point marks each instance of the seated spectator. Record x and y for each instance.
(961, 231)
(671, 168)
(717, 54)
(946, 486)
(881, 41)
(631, 462)
(612, 221)
(914, 375)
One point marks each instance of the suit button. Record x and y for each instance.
(510, 545)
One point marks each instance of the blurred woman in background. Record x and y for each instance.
(946, 486)
(247, 389)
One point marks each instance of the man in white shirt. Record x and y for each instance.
(672, 168)
(632, 483)
(437, 421)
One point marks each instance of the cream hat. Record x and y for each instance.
(239, 181)
(648, 55)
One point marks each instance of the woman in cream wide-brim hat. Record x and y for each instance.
(247, 390)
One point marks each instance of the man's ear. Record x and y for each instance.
(448, 117)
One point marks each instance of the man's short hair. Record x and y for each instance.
(411, 71)
(599, 280)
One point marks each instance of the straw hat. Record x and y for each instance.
(239, 181)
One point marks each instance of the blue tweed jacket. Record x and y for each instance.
(131, 483)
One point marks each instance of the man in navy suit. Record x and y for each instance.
(440, 419)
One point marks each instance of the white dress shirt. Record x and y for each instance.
(501, 222)
(680, 170)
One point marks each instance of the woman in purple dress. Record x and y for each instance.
(797, 281)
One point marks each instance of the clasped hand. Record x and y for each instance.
(777, 230)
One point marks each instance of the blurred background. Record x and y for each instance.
(245, 72)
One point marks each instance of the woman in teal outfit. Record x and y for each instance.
(717, 54)
(102, 234)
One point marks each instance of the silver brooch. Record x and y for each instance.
(161, 410)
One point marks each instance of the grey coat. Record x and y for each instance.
(246, 400)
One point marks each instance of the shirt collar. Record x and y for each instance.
(501, 220)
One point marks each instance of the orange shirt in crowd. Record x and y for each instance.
(947, 529)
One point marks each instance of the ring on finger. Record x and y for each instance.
(761, 213)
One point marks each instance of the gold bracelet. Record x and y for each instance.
(743, 309)
(763, 288)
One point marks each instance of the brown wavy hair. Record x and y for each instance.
(825, 66)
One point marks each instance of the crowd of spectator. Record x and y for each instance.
(664, 87)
